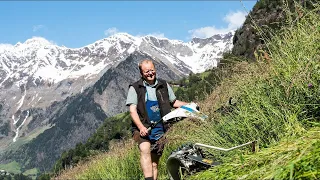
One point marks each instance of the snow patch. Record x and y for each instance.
(20, 102)
(17, 130)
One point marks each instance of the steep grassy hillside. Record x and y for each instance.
(113, 128)
(292, 158)
(277, 104)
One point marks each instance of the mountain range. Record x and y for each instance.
(53, 97)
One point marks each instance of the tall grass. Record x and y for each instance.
(278, 95)
(280, 98)
(120, 162)
(277, 99)
(296, 158)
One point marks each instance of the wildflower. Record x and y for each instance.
(310, 85)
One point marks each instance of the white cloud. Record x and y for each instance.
(234, 20)
(111, 31)
(37, 27)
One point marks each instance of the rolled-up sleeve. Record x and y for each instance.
(132, 97)
(172, 96)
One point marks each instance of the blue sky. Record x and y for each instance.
(78, 23)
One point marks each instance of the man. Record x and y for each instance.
(149, 99)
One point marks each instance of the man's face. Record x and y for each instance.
(148, 71)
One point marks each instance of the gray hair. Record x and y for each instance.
(144, 61)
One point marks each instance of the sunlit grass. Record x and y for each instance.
(292, 158)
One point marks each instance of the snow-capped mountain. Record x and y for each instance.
(43, 60)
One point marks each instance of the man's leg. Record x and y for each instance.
(145, 159)
(156, 153)
(155, 161)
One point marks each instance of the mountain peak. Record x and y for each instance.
(5, 47)
(121, 36)
(154, 36)
(215, 36)
(37, 41)
(213, 39)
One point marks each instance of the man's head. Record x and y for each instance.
(147, 70)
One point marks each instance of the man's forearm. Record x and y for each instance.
(178, 103)
(135, 117)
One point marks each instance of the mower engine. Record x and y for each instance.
(190, 158)
(187, 159)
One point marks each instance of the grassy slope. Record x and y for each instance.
(278, 103)
(12, 167)
(33, 173)
(281, 104)
(16, 169)
(291, 158)
(116, 127)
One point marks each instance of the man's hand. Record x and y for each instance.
(143, 131)
(197, 107)
(178, 103)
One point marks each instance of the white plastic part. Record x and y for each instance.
(189, 110)
(224, 149)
